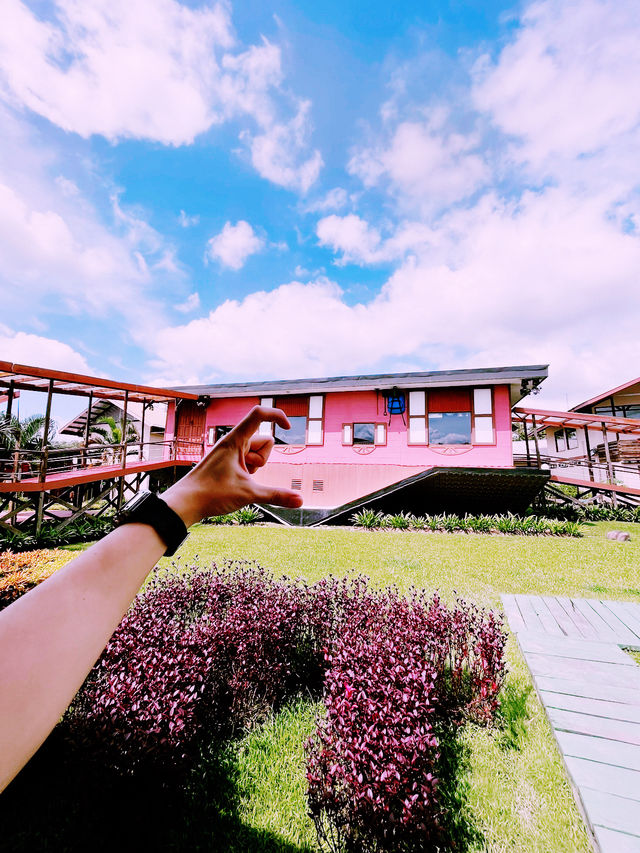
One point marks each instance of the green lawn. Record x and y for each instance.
(516, 799)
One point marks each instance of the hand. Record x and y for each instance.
(222, 481)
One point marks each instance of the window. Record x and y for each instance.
(449, 427)
(417, 417)
(364, 434)
(295, 435)
(566, 439)
(618, 411)
(216, 433)
(266, 427)
(305, 415)
(315, 432)
(483, 431)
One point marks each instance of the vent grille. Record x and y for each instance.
(318, 485)
(296, 484)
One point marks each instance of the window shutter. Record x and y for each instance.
(483, 431)
(347, 434)
(381, 434)
(314, 424)
(266, 427)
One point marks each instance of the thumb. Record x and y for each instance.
(277, 497)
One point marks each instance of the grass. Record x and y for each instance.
(512, 793)
(476, 566)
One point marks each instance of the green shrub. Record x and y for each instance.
(402, 521)
(247, 515)
(367, 518)
(530, 525)
(81, 530)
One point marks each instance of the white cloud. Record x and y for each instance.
(58, 255)
(119, 69)
(191, 303)
(24, 348)
(157, 70)
(335, 199)
(360, 243)
(234, 244)
(566, 86)
(187, 221)
(351, 235)
(277, 153)
(424, 163)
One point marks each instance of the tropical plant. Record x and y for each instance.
(22, 436)
(108, 432)
(367, 518)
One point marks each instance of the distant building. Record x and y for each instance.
(583, 443)
(154, 423)
(419, 441)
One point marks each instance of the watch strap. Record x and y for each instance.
(147, 508)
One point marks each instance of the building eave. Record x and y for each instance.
(512, 376)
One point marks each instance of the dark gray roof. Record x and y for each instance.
(513, 376)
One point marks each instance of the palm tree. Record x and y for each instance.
(17, 436)
(106, 431)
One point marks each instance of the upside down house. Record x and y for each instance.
(419, 442)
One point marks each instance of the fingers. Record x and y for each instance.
(260, 447)
(277, 497)
(251, 422)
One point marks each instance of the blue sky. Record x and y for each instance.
(214, 191)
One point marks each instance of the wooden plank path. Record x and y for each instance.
(590, 690)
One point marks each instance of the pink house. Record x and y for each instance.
(423, 442)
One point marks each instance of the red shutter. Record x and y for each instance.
(449, 400)
(293, 406)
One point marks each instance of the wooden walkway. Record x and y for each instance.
(590, 690)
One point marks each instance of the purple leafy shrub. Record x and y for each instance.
(399, 671)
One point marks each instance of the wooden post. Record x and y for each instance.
(614, 498)
(535, 438)
(45, 435)
(124, 429)
(144, 409)
(9, 400)
(526, 441)
(44, 457)
(588, 446)
(87, 430)
(124, 449)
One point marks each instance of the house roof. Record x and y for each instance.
(545, 418)
(154, 418)
(515, 377)
(28, 378)
(606, 394)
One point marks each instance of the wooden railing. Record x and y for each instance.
(16, 466)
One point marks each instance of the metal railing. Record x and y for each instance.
(584, 464)
(17, 466)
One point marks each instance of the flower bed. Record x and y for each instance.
(529, 525)
(21, 572)
(204, 654)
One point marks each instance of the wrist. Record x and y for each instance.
(181, 501)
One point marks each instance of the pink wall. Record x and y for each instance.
(364, 406)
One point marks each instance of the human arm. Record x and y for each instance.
(51, 637)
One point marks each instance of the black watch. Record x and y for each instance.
(147, 508)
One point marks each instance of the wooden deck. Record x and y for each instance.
(590, 690)
(66, 479)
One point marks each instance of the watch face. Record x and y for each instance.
(134, 503)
